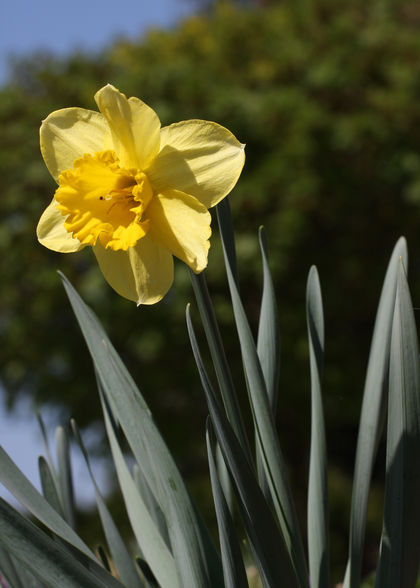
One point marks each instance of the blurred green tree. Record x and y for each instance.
(326, 97)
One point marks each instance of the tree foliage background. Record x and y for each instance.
(326, 96)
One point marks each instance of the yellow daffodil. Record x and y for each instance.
(135, 192)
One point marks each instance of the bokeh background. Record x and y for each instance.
(326, 96)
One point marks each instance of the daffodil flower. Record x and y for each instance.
(135, 192)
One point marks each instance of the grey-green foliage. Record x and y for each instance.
(172, 546)
(372, 413)
(400, 548)
(317, 523)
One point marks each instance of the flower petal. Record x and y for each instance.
(197, 157)
(135, 127)
(51, 232)
(181, 223)
(143, 273)
(69, 133)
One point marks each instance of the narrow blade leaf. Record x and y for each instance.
(372, 415)
(151, 503)
(130, 410)
(318, 487)
(49, 561)
(224, 218)
(268, 341)
(9, 570)
(122, 559)
(268, 441)
(65, 475)
(233, 565)
(220, 362)
(49, 488)
(151, 543)
(400, 546)
(272, 558)
(28, 495)
(268, 349)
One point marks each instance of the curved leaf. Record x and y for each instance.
(267, 437)
(272, 557)
(233, 565)
(317, 488)
(130, 410)
(125, 565)
(49, 560)
(400, 546)
(372, 415)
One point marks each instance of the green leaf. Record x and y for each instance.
(224, 218)
(268, 349)
(9, 570)
(49, 488)
(317, 488)
(265, 428)
(372, 415)
(224, 478)
(48, 560)
(233, 565)
(28, 495)
(125, 565)
(65, 475)
(151, 503)
(271, 555)
(400, 545)
(16, 574)
(268, 341)
(151, 543)
(47, 450)
(218, 355)
(130, 410)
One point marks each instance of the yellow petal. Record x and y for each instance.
(181, 223)
(51, 232)
(143, 273)
(197, 157)
(69, 133)
(134, 126)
